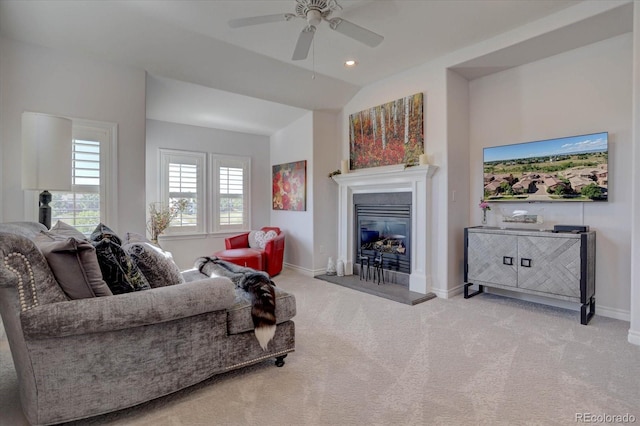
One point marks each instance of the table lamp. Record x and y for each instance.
(46, 157)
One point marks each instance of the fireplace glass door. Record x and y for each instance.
(385, 229)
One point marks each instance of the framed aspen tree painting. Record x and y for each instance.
(391, 133)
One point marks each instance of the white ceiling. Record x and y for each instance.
(187, 103)
(197, 64)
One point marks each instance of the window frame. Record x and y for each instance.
(87, 129)
(167, 156)
(217, 161)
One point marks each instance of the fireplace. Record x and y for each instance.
(388, 180)
(383, 225)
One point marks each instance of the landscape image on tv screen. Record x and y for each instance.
(565, 169)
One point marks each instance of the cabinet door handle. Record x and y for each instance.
(507, 260)
(525, 263)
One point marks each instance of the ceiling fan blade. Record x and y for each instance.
(304, 43)
(356, 32)
(257, 20)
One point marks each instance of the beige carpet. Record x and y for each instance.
(365, 360)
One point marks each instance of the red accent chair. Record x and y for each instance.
(248, 257)
(272, 255)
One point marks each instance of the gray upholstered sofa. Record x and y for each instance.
(79, 358)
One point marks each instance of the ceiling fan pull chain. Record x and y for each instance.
(313, 59)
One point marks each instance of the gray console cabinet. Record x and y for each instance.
(556, 265)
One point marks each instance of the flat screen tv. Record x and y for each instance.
(571, 168)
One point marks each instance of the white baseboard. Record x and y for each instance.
(447, 293)
(603, 311)
(304, 271)
(614, 313)
(634, 337)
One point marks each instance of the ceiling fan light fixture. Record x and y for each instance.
(314, 17)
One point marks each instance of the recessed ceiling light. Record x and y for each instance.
(350, 63)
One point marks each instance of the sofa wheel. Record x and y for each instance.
(280, 361)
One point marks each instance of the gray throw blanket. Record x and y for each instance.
(257, 284)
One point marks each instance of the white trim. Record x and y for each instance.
(394, 178)
(108, 155)
(634, 337)
(447, 293)
(615, 313)
(108, 164)
(216, 161)
(304, 271)
(199, 159)
(603, 311)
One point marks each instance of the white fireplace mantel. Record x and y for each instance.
(388, 179)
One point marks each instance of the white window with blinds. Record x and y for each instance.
(92, 199)
(182, 178)
(230, 180)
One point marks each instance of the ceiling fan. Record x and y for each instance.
(314, 12)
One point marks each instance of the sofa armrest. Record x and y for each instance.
(237, 241)
(111, 313)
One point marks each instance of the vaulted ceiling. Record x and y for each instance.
(188, 47)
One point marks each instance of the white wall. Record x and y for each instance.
(445, 143)
(43, 80)
(458, 176)
(295, 143)
(431, 80)
(582, 91)
(326, 158)
(161, 134)
(311, 236)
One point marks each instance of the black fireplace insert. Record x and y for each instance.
(383, 225)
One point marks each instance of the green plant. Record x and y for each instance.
(160, 216)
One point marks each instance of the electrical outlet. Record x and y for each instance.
(453, 196)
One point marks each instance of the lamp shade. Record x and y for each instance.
(46, 152)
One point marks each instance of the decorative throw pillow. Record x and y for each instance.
(259, 239)
(103, 231)
(64, 229)
(133, 237)
(74, 264)
(118, 269)
(270, 235)
(155, 264)
(253, 243)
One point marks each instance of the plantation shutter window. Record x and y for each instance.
(183, 184)
(182, 178)
(92, 162)
(231, 208)
(231, 201)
